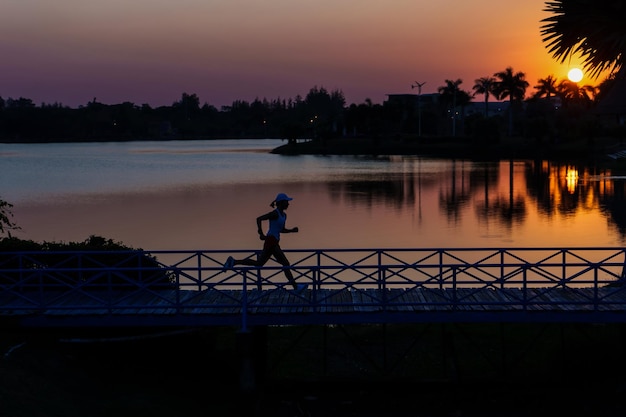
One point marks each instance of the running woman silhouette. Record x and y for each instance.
(271, 247)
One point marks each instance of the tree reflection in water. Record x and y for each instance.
(340, 202)
(505, 192)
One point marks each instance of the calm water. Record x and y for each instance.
(207, 194)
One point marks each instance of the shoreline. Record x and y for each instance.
(466, 148)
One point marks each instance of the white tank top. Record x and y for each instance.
(277, 225)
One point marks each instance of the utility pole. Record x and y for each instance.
(419, 106)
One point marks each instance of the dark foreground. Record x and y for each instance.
(196, 373)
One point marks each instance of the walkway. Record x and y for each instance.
(189, 288)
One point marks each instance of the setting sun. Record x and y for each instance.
(575, 75)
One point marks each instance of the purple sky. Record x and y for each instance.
(151, 51)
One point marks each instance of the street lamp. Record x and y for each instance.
(419, 106)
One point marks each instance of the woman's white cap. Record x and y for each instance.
(282, 197)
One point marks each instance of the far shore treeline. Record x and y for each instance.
(553, 112)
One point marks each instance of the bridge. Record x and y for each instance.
(345, 286)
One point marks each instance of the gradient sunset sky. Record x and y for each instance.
(151, 51)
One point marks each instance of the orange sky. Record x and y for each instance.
(151, 51)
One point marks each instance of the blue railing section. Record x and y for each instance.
(194, 282)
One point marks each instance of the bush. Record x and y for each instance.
(6, 225)
(96, 263)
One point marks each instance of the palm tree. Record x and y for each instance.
(453, 96)
(572, 93)
(546, 87)
(604, 87)
(593, 29)
(484, 85)
(511, 85)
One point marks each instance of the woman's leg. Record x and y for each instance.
(260, 261)
(280, 257)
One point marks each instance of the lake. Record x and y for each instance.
(193, 195)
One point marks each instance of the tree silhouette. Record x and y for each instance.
(452, 96)
(546, 87)
(511, 85)
(6, 224)
(593, 29)
(484, 85)
(571, 93)
(320, 113)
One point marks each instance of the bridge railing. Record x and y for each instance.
(195, 281)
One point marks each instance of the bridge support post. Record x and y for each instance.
(252, 348)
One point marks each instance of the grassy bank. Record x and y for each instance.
(425, 370)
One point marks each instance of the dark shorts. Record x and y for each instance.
(270, 244)
(272, 248)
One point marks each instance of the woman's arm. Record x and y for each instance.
(286, 230)
(260, 219)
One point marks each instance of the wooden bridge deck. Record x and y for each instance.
(188, 288)
(284, 307)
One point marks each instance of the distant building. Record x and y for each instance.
(412, 100)
(494, 108)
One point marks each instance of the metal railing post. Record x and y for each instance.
(455, 300)
(525, 287)
(244, 302)
(596, 295)
(502, 269)
(199, 265)
(381, 273)
(259, 278)
(319, 265)
(563, 267)
(179, 307)
(385, 296)
(440, 269)
(314, 284)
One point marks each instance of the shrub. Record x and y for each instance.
(96, 263)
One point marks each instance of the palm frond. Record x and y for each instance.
(592, 29)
